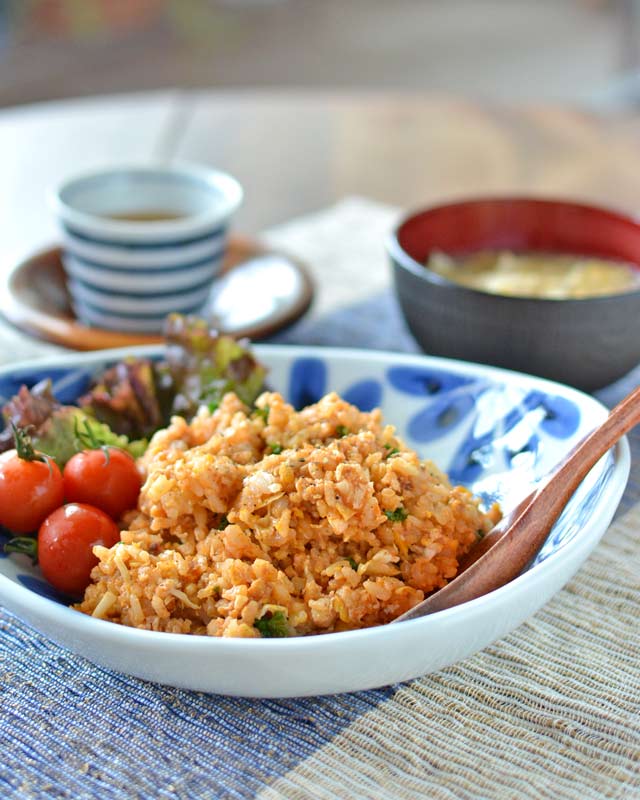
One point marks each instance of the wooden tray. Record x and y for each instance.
(39, 304)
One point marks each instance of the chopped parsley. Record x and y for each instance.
(273, 625)
(263, 413)
(393, 451)
(213, 406)
(399, 515)
(341, 430)
(353, 563)
(223, 522)
(25, 545)
(479, 534)
(217, 592)
(275, 448)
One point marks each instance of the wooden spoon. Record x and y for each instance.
(516, 539)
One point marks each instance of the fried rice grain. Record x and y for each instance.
(278, 522)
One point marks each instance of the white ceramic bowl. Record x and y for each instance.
(126, 274)
(496, 431)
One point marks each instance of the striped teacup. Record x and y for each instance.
(142, 241)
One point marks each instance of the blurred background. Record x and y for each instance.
(337, 114)
(581, 51)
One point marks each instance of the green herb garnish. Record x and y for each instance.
(479, 534)
(273, 625)
(275, 448)
(352, 563)
(25, 545)
(399, 515)
(341, 430)
(223, 523)
(263, 413)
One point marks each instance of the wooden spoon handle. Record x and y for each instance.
(516, 545)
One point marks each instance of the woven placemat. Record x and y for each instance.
(552, 711)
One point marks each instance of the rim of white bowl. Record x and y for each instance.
(573, 552)
(112, 231)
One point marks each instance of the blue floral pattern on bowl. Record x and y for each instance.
(495, 432)
(308, 383)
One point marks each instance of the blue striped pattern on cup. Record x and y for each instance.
(128, 275)
(112, 287)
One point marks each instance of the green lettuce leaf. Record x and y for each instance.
(125, 397)
(67, 431)
(202, 365)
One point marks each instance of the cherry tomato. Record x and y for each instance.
(65, 545)
(29, 491)
(107, 479)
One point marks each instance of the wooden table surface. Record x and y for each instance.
(297, 152)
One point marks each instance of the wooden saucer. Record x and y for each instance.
(38, 301)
